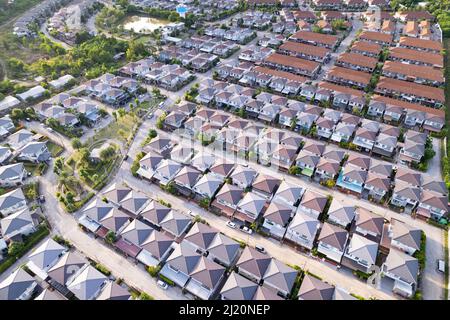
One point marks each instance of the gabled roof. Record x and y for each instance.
(155, 212)
(304, 224)
(66, 266)
(116, 192)
(16, 221)
(278, 213)
(251, 202)
(11, 171)
(113, 291)
(363, 248)
(314, 201)
(15, 284)
(345, 214)
(333, 236)
(238, 288)
(253, 262)
(280, 275)
(46, 253)
(406, 234)
(402, 265)
(407, 191)
(175, 223)
(137, 232)
(315, 289)
(368, 220)
(87, 283)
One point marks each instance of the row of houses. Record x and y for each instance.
(67, 109)
(55, 272)
(297, 225)
(235, 34)
(193, 59)
(168, 76)
(208, 44)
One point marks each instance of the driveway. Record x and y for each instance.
(434, 165)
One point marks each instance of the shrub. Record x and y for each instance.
(153, 271)
(102, 269)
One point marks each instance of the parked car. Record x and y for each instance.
(441, 265)
(260, 248)
(232, 225)
(162, 284)
(28, 119)
(42, 198)
(246, 230)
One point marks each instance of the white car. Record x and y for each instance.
(247, 230)
(232, 225)
(162, 284)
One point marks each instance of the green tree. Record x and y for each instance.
(107, 153)
(15, 248)
(76, 143)
(17, 114)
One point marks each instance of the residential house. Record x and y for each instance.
(361, 254)
(302, 230)
(332, 242)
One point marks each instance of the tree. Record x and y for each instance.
(136, 51)
(152, 133)
(294, 170)
(110, 237)
(15, 248)
(76, 143)
(59, 165)
(17, 114)
(115, 115)
(174, 17)
(70, 197)
(107, 153)
(84, 155)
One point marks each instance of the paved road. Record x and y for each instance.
(48, 35)
(434, 165)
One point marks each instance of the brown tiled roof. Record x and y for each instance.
(376, 36)
(304, 15)
(367, 47)
(414, 55)
(348, 74)
(280, 74)
(411, 88)
(417, 15)
(342, 89)
(357, 59)
(388, 25)
(316, 37)
(421, 43)
(304, 48)
(413, 70)
(411, 27)
(292, 62)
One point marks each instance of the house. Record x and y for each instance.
(361, 254)
(292, 64)
(12, 174)
(253, 265)
(114, 291)
(376, 185)
(193, 272)
(44, 257)
(35, 152)
(203, 161)
(366, 48)
(133, 202)
(348, 77)
(159, 145)
(222, 168)
(33, 93)
(175, 224)
(250, 207)
(317, 39)
(50, 295)
(20, 138)
(5, 153)
(312, 204)
(289, 193)
(276, 218)
(315, 289)
(356, 61)
(104, 215)
(405, 195)
(243, 177)
(327, 169)
(432, 205)
(166, 170)
(87, 284)
(6, 126)
(182, 154)
(302, 230)
(66, 268)
(332, 242)
(341, 214)
(213, 244)
(148, 164)
(404, 270)
(12, 201)
(352, 178)
(186, 178)
(385, 145)
(404, 237)
(19, 285)
(265, 185)
(175, 119)
(17, 225)
(238, 287)
(207, 186)
(369, 224)
(227, 199)
(325, 127)
(280, 278)
(155, 213)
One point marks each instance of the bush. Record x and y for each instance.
(145, 296)
(153, 271)
(167, 280)
(102, 269)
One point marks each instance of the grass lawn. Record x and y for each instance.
(36, 169)
(120, 129)
(55, 149)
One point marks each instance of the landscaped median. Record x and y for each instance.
(17, 249)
